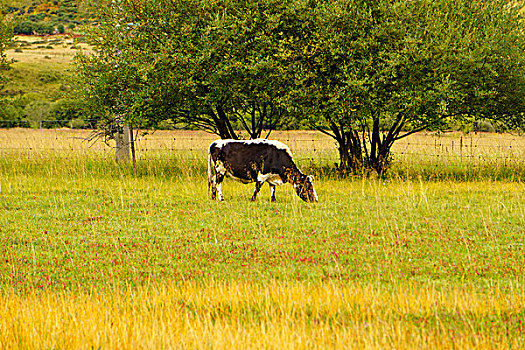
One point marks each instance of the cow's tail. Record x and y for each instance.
(210, 171)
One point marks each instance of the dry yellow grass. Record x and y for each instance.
(449, 148)
(281, 315)
(159, 142)
(34, 50)
(424, 143)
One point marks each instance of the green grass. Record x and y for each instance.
(45, 80)
(76, 223)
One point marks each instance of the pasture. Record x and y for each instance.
(94, 254)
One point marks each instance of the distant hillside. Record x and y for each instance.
(48, 17)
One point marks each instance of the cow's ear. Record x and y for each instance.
(311, 178)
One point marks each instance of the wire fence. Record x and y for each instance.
(307, 146)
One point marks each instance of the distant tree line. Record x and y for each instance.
(367, 73)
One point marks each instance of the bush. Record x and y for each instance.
(166, 125)
(44, 28)
(37, 111)
(484, 126)
(48, 76)
(10, 114)
(24, 27)
(66, 110)
(28, 28)
(78, 124)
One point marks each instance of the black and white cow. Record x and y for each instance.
(256, 161)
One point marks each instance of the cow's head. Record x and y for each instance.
(305, 189)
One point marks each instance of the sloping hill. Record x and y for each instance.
(48, 17)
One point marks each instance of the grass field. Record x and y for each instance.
(93, 254)
(42, 67)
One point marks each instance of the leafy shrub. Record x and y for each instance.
(484, 126)
(37, 111)
(24, 27)
(66, 110)
(48, 76)
(9, 114)
(44, 28)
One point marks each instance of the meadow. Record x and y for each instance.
(96, 254)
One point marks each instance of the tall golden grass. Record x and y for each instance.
(454, 145)
(280, 315)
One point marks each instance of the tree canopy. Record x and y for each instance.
(381, 71)
(213, 65)
(368, 73)
(6, 35)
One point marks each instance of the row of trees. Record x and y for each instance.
(367, 73)
(41, 28)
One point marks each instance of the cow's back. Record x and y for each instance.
(247, 159)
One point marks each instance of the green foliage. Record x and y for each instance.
(24, 27)
(67, 109)
(213, 65)
(46, 17)
(6, 35)
(36, 111)
(367, 73)
(375, 72)
(9, 114)
(37, 84)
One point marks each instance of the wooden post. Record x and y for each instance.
(123, 145)
(132, 146)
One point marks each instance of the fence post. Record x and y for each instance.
(461, 148)
(122, 144)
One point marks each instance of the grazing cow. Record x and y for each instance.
(256, 161)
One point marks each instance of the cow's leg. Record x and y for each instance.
(257, 189)
(213, 185)
(218, 182)
(272, 191)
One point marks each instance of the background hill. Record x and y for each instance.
(48, 17)
(39, 78)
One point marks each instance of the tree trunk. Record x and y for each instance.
(224, 126)
(356, 150)
(344, 158)
(379, 159)
(122, 144)
(349, 147)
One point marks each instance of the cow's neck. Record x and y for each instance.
(293, 175)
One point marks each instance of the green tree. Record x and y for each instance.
(209, 64)
(6, 35)
(368, 73)
(371, 73)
